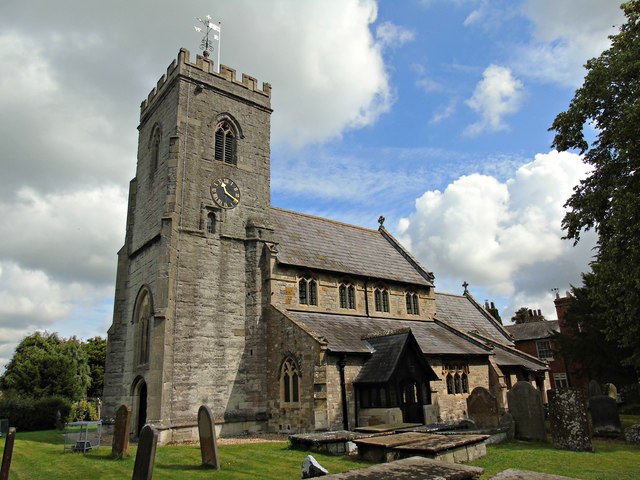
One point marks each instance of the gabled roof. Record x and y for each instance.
(533, 330)
(388, 351)
(344, 333)
(464, 313)
(318, 243)
(508, 356)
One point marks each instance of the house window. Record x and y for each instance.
(211, 222)
(381, 297)
(544, 349)
(308, 291)
(412, 303)
(457, 378)
(560, 380)
(347, 296)
(225, 143)
(290, 382)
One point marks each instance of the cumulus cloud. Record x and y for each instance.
(503, 236)
(498, 94)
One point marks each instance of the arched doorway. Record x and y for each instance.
(139, 394)
(411, 401)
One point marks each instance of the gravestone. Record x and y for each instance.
(593, 389)
(311, 468)
(508, 424)
(525, 405)
(632, 433)
(146, 454)
(8, 454)
(482, 408)
(569, 421)
(604, 415)
(120, 442)
(208, 441)
(610, 390)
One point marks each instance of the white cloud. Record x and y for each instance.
(503, 236)
(391, 35)
(498, 94)
(444, 112)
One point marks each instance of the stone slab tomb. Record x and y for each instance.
(569, 420)
(482, 408)
(525, 405)
(604, 415)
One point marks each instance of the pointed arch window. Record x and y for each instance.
(290, 382)
(381, 299)
(154, 146)
(457, 376)
(413, 307)
(347, 293)
(225, 143)
(308, 291)
(143, 315)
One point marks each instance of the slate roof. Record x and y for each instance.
(318, 243)
(533, 330)
(344, 333)
(464, 313)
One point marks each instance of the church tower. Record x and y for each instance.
(187, 327)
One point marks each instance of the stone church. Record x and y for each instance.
(277, 320)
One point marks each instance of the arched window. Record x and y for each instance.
(308, 291)
(347, 296)
(450, 389)
(465, 383)
(143, 314)
(457, 383)
(211, 222)
(154, 145)
(290, 382)
(225, 143)
(457, 376)
(412, 303)
(381, 297)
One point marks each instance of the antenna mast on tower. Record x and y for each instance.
(210, 41)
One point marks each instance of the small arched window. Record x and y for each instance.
(290, 382)
(347, 294)
(308, 291)
(225, 143)
(412, 303)
(211, 222)
(381, 299)
(154, 146)
(450, 389)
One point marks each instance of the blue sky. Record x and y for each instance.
(433, 113)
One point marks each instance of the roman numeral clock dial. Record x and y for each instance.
(225, 193)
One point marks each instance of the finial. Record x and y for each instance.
(556, 290)
(209, 44)
(381, 221)
(465, 285)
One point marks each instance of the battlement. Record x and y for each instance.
(204, 64)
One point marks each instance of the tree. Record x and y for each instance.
(96, 350)
(607, 200)
(520, 315)
(45, 365)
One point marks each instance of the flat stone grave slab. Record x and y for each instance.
(514, 474)
(338, 442)
(377, 448)
(448, 448)
(387, 427)
(411, 469)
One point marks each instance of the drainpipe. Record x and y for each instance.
(366, 297)
(343, 390)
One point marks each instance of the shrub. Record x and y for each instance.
(82, 410)
(26, 413)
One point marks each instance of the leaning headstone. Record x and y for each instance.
(311, 468)
(208, 442)
(569, 421)
(8, 453)
(593, 389)
(146, 454)
(508, 424)
(482, 408)
(610, 390)
(604, 415)
(632, 434)
(120, 442)
(525, 404)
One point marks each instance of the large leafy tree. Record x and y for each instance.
(608, 200)
(96, 350)
(46, 365)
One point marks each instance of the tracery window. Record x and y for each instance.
(457, 378)
(290, 382)
(143, 314)
(347, 294)
(381, 299)
(225, 143)
(412, 303)
(308, 291)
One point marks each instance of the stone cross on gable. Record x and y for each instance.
(465, 285)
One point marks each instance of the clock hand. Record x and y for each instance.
(224, 187)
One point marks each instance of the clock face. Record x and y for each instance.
(225, 193)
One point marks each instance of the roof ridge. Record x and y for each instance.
(317, 217)
(513, 350)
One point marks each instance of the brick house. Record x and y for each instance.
(278, 320)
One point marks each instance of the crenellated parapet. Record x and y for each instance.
(183, 64)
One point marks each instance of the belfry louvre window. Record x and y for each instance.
(308, 291)
(225, 143)
(412, 303)
(347, 294)
(290, 382)
(381, 299)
